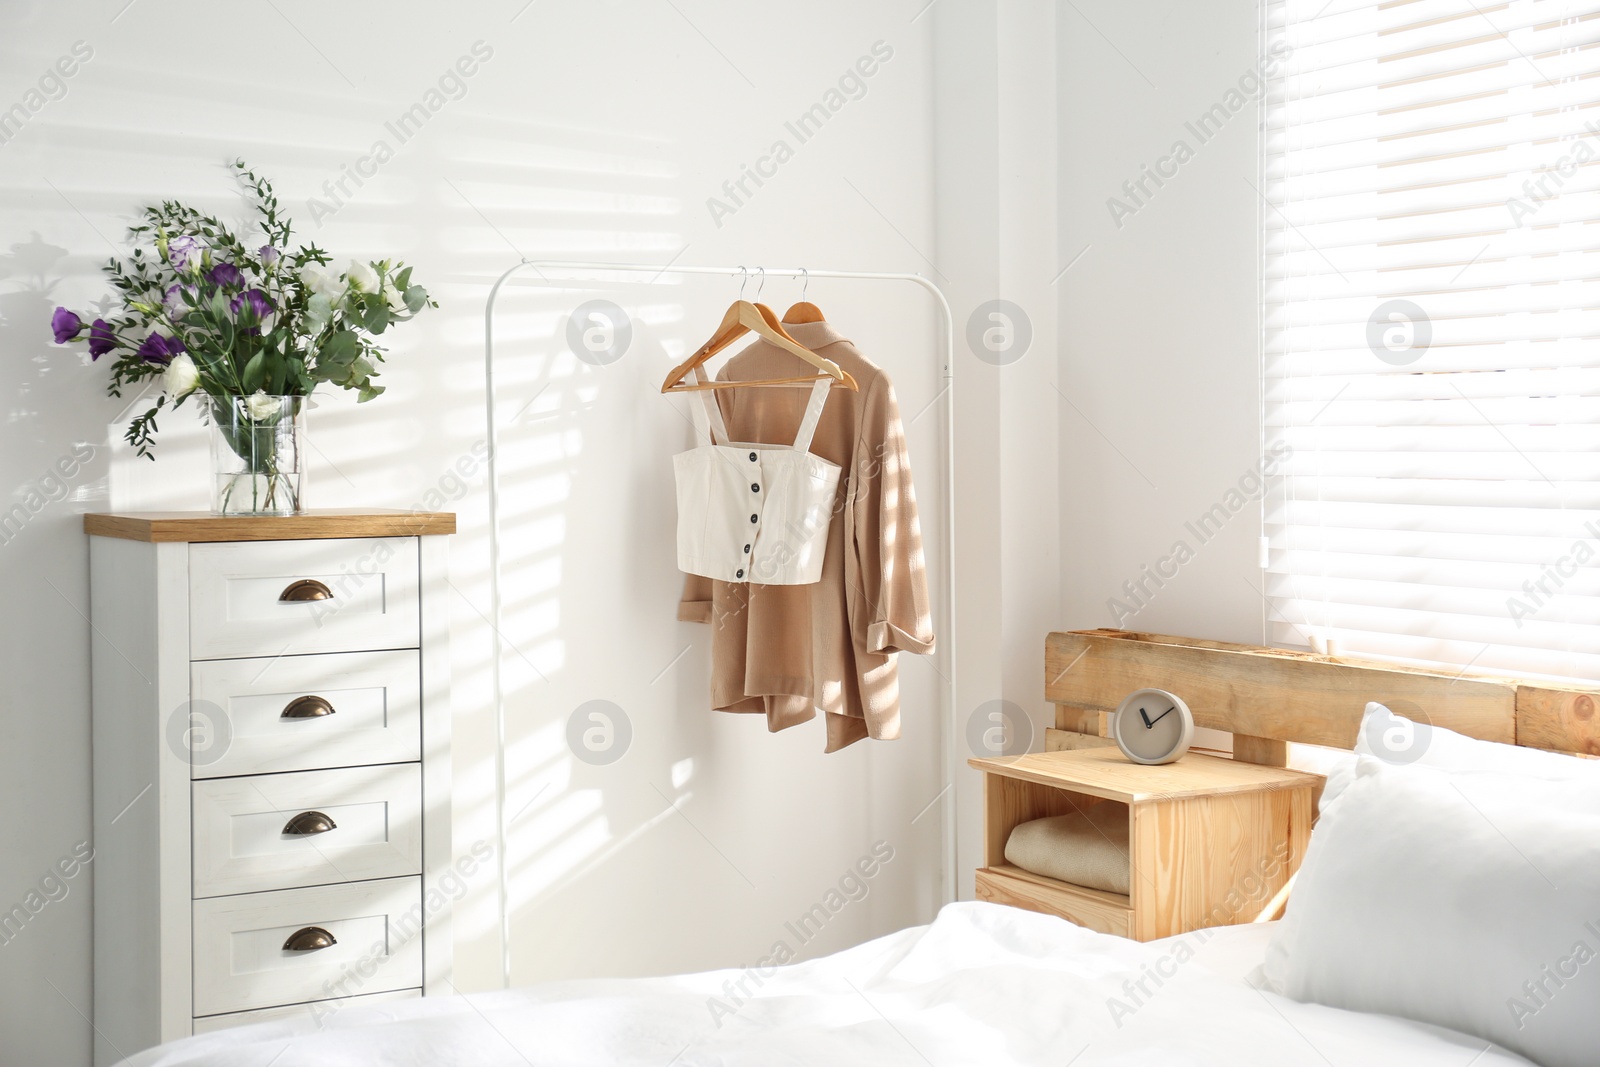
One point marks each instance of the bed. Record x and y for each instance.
(982, 984)
(1400, 942)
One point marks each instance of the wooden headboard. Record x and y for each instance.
(1268, 697)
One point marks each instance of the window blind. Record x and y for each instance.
(1431, 237)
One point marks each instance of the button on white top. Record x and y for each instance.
(771, 529)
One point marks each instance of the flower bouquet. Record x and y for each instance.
(249, 332)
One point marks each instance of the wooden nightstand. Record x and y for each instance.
(1210, 840)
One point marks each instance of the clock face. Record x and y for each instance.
(1153, 726)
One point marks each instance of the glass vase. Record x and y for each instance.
(257, 454)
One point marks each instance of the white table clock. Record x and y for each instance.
(1153, 726)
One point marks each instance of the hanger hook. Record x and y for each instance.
(762, 272)
(805, 283)
(744, 279)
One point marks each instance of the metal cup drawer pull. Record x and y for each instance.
(306, 708)
(308, 823)
(306, 589)
(309, 939)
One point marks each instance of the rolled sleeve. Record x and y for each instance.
(887, 637)
(695, 603)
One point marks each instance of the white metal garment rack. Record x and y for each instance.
(947, 724)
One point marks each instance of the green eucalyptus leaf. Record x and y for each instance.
(338, 350)
(415, 296)
(376, 316)
(254, 372)
(319, 312)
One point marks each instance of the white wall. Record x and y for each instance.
(595, 131)
(1159, 350)
(994, 110)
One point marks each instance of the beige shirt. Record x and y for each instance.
(787, 650)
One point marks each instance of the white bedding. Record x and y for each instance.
(983, 984)
(1231, 951)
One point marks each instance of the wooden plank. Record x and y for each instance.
(1302, 813)
(1562, 720)
(1269, 693)
(329, 522)
(1211, 860)
(1148, 637)
(1105, 772)
(1106, 912)
(1071, 740)
(1081, 720)
(1010, 801)
(994, 828)
(1262, 750)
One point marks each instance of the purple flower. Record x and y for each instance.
(260, 306)
(225, 275)
(269, 255)
(101, 340)
(66, 325)
(182, 249)
(160, 350)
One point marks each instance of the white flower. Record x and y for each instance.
(185, 253)
(321, 283)
(260, 406)
(362, 278)
(181, 376)
(396, 299)
(173, 303)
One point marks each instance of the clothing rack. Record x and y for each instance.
(948, 732)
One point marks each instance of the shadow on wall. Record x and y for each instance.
(705, 835)
(53, 468)
(63, 469)
(688, 838)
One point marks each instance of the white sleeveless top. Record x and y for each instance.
(753, 512)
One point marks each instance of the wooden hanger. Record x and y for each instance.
(744, 317)
(805, 311)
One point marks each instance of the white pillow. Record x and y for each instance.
(1467, 901)
(1398, 740)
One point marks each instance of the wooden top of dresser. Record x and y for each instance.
(317, 523)
(1106, 772)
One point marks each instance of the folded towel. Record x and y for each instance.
(1088, 848)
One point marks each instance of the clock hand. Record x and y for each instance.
(1163, 715)
(1146, 718)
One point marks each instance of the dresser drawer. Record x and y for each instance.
(237, 590)
(240, 962)
(242, 843)
(363, 707)
(315, 1011)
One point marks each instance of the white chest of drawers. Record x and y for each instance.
(271, 768)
